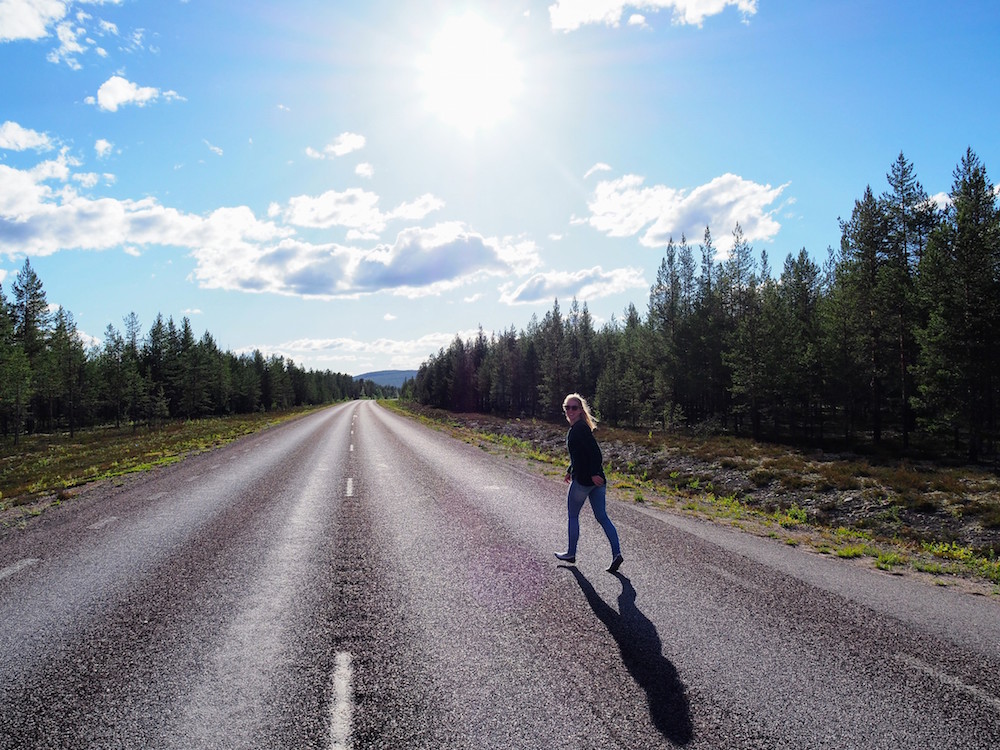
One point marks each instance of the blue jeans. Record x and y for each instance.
(577, 496)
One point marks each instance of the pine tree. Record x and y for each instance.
(844, 387)
(137, 386)
(32, 320)
(743, 333)
(554, 363)
(15, 374)
(867, 277)
(113, 374)
(663, 319)
(69, 359)
(709, 385)
(582, 362)
(910, 218)
(800, 368)
(959, 288)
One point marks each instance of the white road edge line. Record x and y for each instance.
(342, 705)
(948, 679)
(350, 487)
(18, 567)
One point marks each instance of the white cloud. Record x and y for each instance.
(364, 169)
(637, 19)
(429, 261)
(69, 46)
(13, 137)
(88, 341)
(87, 179)
(117, 91)
(102, 147)
(42, 212)
(625, 207)
(389, 317)
(587, 284)
(38, 218)
(346, 143)
(343, 144)
(420, 262)
(214, 149)
(418, 209)
(941, 200)
(599, 167)
(38, 19)
(136, 40)
(29, 19)
(569, 15)
(355, 209)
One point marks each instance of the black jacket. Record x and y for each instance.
(585, 459)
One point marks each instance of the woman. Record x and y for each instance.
(585, 477)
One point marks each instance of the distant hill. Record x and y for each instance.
(388, 377)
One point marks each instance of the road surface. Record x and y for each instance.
(353, 579)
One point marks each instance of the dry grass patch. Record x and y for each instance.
(53, 464)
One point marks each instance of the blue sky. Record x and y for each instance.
(352, 184)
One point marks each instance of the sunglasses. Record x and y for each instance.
(571, 407)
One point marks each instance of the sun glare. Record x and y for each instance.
(470, 77)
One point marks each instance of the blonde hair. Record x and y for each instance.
(590, 419)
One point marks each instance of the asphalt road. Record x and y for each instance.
(355, 580)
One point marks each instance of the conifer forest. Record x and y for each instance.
(891, 342)
(50, 380)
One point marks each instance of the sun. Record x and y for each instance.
(471, 76)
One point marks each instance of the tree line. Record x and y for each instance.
(49, 379)
(893, 338)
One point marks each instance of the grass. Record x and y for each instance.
(52, 465)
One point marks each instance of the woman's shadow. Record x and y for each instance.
(642, 654)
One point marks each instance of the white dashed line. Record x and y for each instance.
(352, 447)
(350, 488)
(342, 705)
(102, 523)
(947, 679)
(18, 567)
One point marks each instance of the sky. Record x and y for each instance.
(352, 184)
